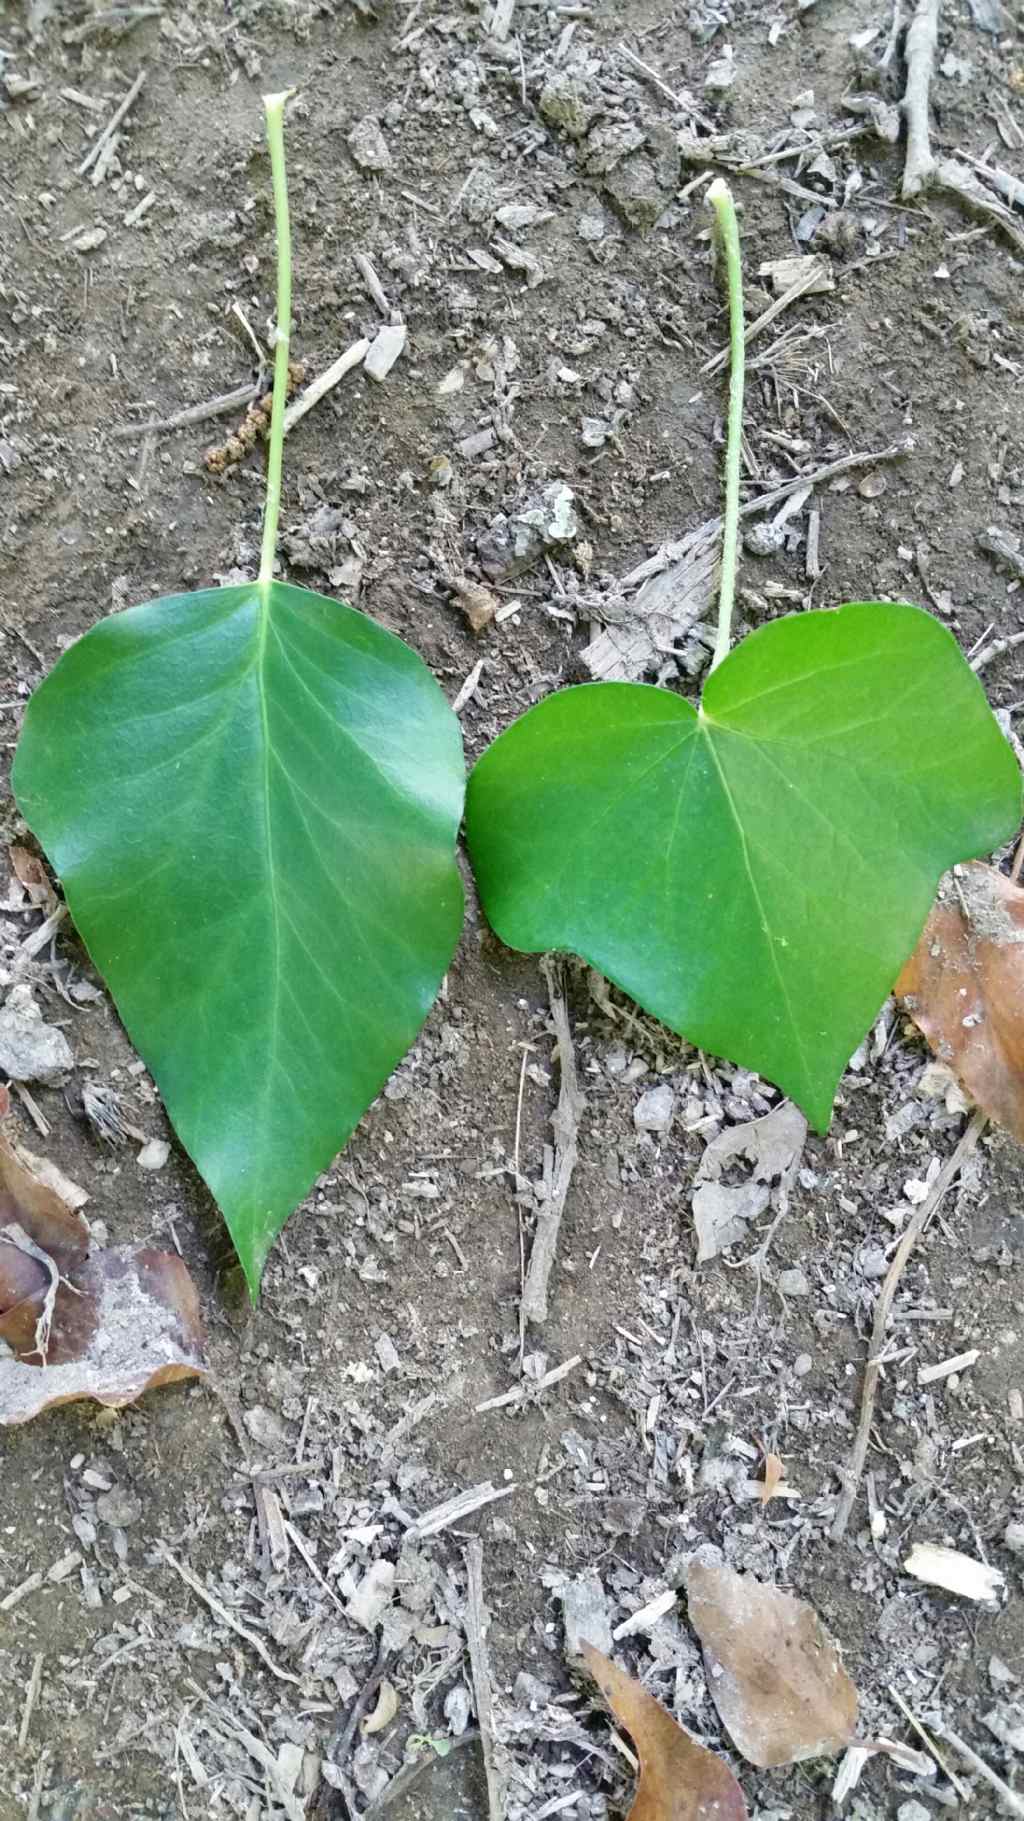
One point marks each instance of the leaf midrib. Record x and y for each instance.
(263, 589)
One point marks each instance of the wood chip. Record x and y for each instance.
(955, 1572)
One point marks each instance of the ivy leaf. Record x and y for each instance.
(252, 795)
(753, 873)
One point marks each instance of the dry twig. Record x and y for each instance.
(476, 1641)
(922, 170)
(192, 414)
(872, 1372)
(1012, 1804)
(566, 1125)
(112, 125)
(226, 1618)
(922, 37)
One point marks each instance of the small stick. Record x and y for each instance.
(1010, 187)
(112, 124)
(963, 1793)
(368, 273)
(565, 1125)
(341, 1749)
(42, 1766)
(922, 37)
(226, 1618)
(192, 414)
(460, 1505)
(922, 1214)
(727, 229)
(528, 1388)
(34, 1111)
(1012, 1803)
(469, 687)
(31, 1697)
(797, 289)
(685, 107)
(352, 357)
(476, 1627)
(989, 653)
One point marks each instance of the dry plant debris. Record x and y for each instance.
(955, 1572)
(964, 987)
(680, 1780)
(78, 1321)
(723, 1211)
(775, 1677)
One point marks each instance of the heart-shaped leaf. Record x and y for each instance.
(252, 795)
(754, 873)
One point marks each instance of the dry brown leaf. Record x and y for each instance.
(775, 1677)
(33, 877)
(679, 1779)
(772, 1481)
(964, 987)
(80, 1321)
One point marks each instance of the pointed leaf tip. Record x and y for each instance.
(680, 1780)
(252, 796)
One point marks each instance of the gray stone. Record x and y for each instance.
(585, 1616)
(368, 146)
(569, 103)
(384, 350)
(119, 1507)
(794, 1283)
(654, 1109)
(30, 1049)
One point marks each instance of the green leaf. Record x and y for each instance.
(252, 796)
(754, 873)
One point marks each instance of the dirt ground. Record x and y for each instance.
(523, 202)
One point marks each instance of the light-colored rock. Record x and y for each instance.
(654, 1109)
(368, 146)
(31, 1049)
(385, 349)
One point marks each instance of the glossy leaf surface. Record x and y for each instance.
(754, 873)
(251, 796)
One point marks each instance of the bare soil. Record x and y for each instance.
(392, 1296)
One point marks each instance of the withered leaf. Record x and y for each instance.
(80, 1321)
(964, 987)
(33, 877)
(680, 1780)
(773, 1477)
(774, 1676)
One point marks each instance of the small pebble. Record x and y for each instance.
(654, 1109)
(385, 348)
(794, 1283)
(368, 146)
(802, 1365)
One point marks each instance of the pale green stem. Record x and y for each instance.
(720, 196)
(274, 105)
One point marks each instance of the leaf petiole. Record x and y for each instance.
(727, 230)
(274, 106)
